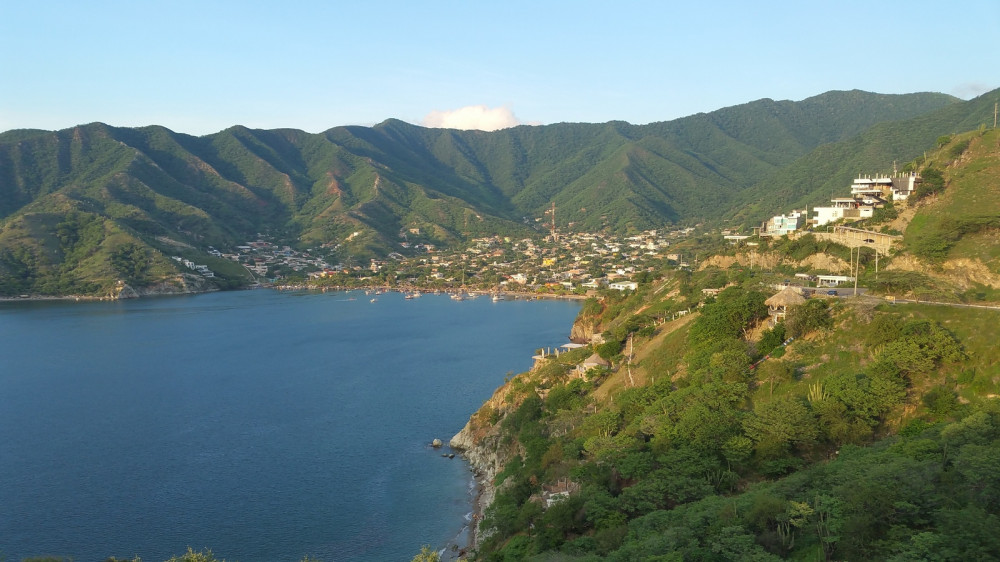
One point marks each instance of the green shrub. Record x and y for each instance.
(940, 400)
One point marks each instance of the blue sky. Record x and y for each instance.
(200, 66)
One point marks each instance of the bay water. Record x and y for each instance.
(263, 425)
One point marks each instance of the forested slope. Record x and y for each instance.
(851, 429)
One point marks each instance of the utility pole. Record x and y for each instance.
(995, 115)
(628, 365)
(553, 221)
(857, 273)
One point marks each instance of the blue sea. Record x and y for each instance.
(263, 425)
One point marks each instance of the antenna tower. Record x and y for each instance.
(554, 221)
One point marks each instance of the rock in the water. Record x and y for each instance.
(436, 443)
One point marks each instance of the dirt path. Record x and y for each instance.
(620, 379)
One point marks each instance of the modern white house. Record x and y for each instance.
(784, 224)
(843, 208)
(899, 186)
(832, 280)
(624, 285)
(880, 186)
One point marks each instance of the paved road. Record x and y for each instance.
(841, 291)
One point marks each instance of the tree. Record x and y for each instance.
(932, 181)
(608, 350)
(192, 556)
(426, 555)
(771, 339)
(733, 314)
(812, 315)
(778, 425)
(940, 400)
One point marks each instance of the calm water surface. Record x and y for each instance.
(266, 426)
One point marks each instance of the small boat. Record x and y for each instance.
(373, 300)
(497, 297)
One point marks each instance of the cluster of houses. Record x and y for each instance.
(867, 194)
(570, 262)
(201, 269)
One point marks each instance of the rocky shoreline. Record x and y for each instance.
(480, 444)
(484, 471)
(184, 284)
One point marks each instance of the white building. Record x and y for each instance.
(784, 224)
(624, 285)
(880, 186)
(904, 185)
(843, 208)
(832, 280)
(898, 187)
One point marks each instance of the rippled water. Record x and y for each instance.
(263, 425)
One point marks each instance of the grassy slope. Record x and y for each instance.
(973, 190)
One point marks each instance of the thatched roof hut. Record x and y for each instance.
(591, 362)
(785, 298)
(778, 304)
(595, 360)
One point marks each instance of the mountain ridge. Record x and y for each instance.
(363, 188)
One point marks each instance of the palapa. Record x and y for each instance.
(785, 298)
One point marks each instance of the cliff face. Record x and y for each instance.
(182, 284)
(771, 260)
(583, 330)
(480, 442)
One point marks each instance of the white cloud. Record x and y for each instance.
(477, 117)
(969, 90)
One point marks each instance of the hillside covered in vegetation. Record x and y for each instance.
(85, 209)
(851, 428)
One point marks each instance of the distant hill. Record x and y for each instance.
(364, 188)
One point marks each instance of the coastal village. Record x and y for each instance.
(566, 265)
(570, 265)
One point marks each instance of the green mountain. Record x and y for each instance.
(751, 425)
(827, 171)
(362, 189)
